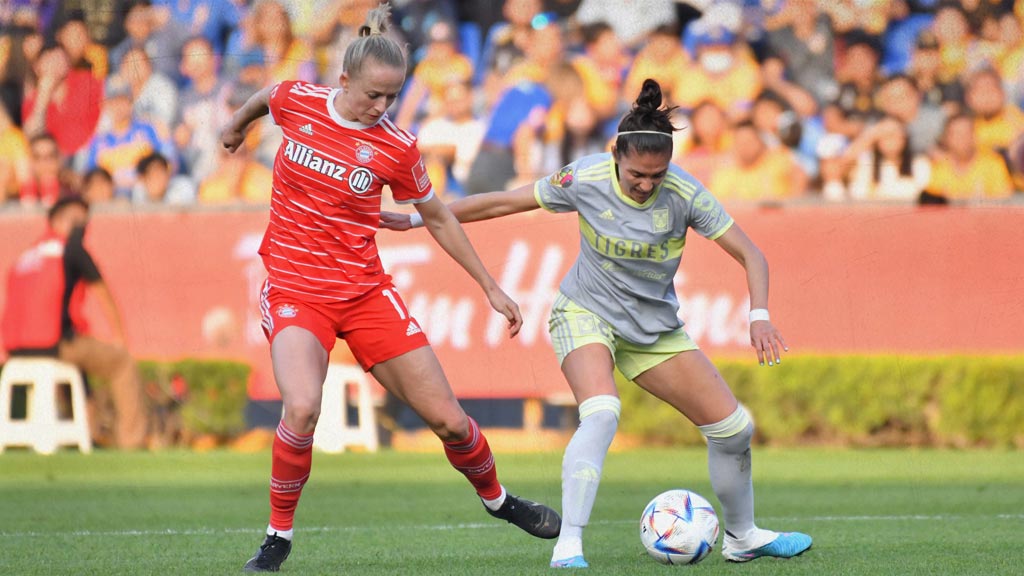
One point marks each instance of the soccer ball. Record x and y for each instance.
(679, 527)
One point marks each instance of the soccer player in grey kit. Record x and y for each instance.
(617, 306)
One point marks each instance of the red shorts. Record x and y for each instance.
(377, 326)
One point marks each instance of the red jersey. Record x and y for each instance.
(325, 206)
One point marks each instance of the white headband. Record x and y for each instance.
(642, 132)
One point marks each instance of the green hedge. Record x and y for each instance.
(209, 395)
(859, 400)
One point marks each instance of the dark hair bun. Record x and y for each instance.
(650, 95)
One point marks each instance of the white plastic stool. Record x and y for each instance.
(43, 429)
(333, 432)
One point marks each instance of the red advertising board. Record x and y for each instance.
(844, 279)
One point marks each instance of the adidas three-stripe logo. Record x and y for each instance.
(412, 329)
(307, 129)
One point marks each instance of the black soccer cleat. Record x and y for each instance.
(272, 553)
(536, 519)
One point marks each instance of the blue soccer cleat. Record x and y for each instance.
(787, 545)
(572, 562)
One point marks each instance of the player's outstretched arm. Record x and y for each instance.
(472, 208)
(258, 105)
(764, 337)
(449, 235)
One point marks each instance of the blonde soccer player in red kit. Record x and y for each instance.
(325, 278)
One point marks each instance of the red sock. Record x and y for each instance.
(473, 458)
(292, 460)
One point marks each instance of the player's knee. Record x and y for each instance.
(450, 428)
(733, 434)
(604, 409)
(301, 415)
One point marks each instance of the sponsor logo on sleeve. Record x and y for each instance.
(419, 174)
(563, 178)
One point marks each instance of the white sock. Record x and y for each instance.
(286, 534)
(581, 470)
(729, 471)
(493, 505)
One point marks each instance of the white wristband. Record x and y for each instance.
(758, 314)
(415, 220)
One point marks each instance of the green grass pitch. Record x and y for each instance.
(870, 512)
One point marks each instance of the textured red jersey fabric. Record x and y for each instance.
(325, 206)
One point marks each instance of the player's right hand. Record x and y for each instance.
(394, 221)
(232, 139)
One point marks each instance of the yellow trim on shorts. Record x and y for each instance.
(572, 326)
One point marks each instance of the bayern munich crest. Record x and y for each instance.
(364, 153)
(286, 311)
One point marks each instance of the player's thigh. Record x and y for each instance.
(584, 344)
(589, 370)
(690, 383)
(300, 367)
(416, 378)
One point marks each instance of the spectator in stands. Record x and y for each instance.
(15, 160)
(157, 183)
(706, 143)
(98, 187)
(154, 96)
(140, 24)
(103, 19)
(16, 65)
(801, 37)
(83, 53)
(757, 173)
(119, 147)
(883, 166)
(43, 315)
(1011, 64)
(996, 122)
(899, 97)
(212, 19)
(505, 43)
(633, 23)
(441, 66)
(963, 169)
(286, 55)
(541, 55)
(859, 76)
(507, 144)
(202, 106)
(45, 183)
(925, 65)
(65, 102)
(662, 59)
(602, 66)
(953, 35)
(725, 72)
(449, 142)
(237, 178)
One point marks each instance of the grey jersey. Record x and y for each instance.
(629, 252)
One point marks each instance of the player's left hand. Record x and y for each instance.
(508, 308)
(767, 342)
(394, 221)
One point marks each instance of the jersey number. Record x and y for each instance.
(394, 302)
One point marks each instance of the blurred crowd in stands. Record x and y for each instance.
(906, 101)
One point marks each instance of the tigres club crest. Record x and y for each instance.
(562, 178)
(286, 311)
(364, 153)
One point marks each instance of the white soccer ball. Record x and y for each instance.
(679, 527)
